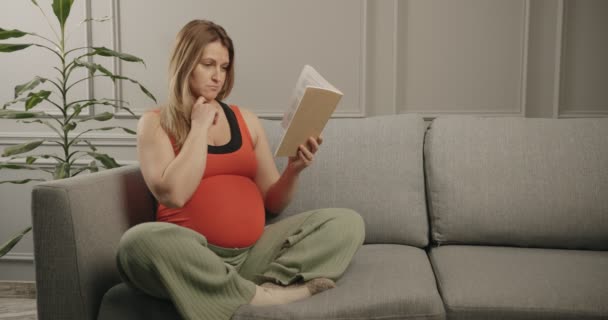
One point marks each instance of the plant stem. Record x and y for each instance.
(81, 80)
(45, 38)
(76, 49)
(54, 83)
(64, 92)
(78, 136)
(54, 103)
(80, 56)
(45, 47)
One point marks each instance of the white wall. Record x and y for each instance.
(541, 58)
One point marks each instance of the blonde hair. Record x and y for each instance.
(189, 45)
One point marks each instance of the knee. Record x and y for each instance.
(348, 223)
(142, 241)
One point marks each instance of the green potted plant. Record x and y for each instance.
(54, 92)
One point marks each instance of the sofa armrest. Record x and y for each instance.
(77, 224)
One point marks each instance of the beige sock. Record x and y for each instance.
(318, 285)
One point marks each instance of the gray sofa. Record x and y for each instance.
(470, 218)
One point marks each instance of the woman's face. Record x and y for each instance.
(209, 75)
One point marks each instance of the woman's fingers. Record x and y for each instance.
(307, 155)
(313, 144)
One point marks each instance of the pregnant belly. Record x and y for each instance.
(228, 210)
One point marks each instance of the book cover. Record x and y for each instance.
(312, 104)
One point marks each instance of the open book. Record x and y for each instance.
(312, 104)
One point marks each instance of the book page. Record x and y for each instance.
(313, 102)
(309, 77)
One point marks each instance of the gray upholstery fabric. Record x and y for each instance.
(125, 303)
(372, 165)
(479, 282)
(77, 225)
(517, 181)
(382, 282)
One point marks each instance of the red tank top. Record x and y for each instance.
(227, 206)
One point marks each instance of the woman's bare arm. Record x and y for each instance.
(172, 179)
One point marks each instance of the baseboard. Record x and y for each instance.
(18, 289)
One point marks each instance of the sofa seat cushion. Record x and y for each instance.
(479, 282)
(382, 282)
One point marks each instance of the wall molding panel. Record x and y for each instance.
(560, 87)
(434, 110)
(355, 96)
(18, 256)
(105, 140)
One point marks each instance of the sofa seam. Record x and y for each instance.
(437, 275)
(427, 183)
(425, 186)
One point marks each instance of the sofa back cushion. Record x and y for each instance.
(371, 165)
(517, 181)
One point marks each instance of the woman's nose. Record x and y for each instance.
(216, 73)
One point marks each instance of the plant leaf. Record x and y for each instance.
(61, 8)
(105, 52)
(93, 166)
(14, 114)
(90, 145)
(34, 98)
(14, 166)
(106, 18)
(128, 110)
(110, 128)
(13, 102)
(11, 47)
(20, 181)
(74, 142)
(148, 93)
(22, 148)
(99, 117)
(5, 34)
(45, 156)
(93, 67)
(7, 246)
(48, 124)
(107, 161)
(70, 126)
(62, 171)
(28, 86)
(77, 109)
(107, 103)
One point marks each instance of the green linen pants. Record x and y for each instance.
(207, 282)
